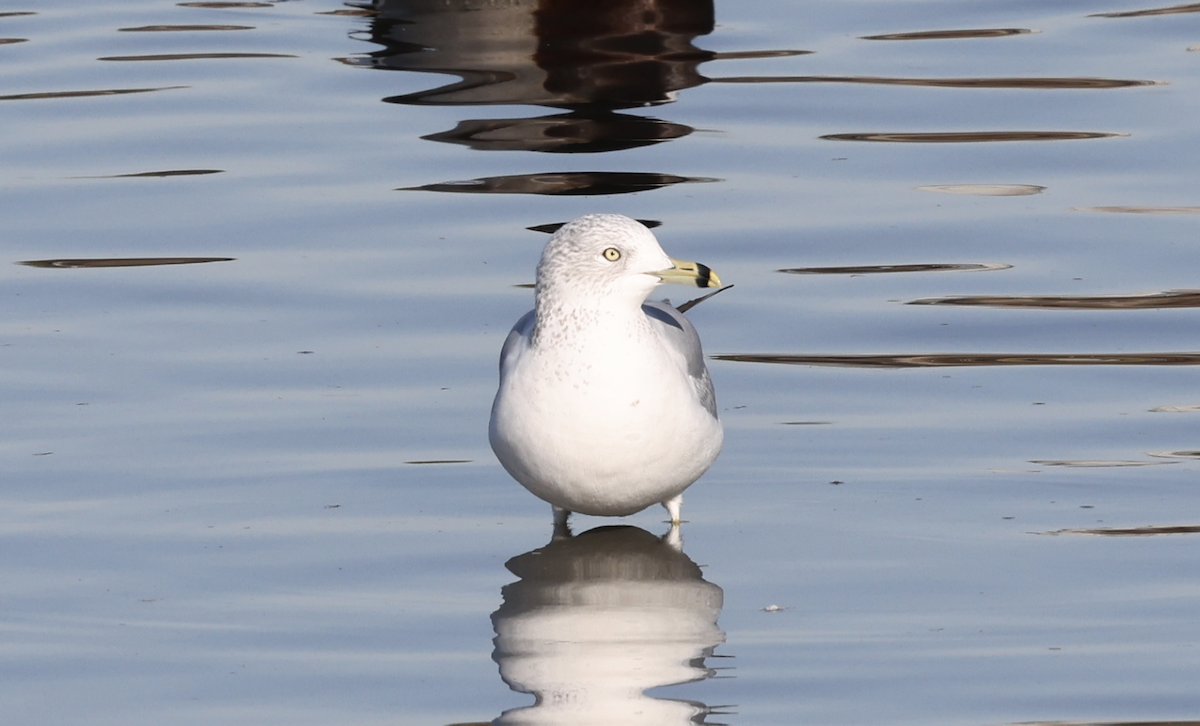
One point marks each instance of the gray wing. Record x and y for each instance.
(516, 342)
(681, 335)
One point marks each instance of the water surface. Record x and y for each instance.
(261, 257)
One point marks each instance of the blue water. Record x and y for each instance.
(258, 489)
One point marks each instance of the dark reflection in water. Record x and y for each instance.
(596, 620)
(13, 14)
(552, 227)
(193, 56)
(225, 5)
(182, 28)
(943, 360)
(882, 269)
(958, 137)
(124, 261)
(565, 183)
(1149, 530)
(1190, 8)
(950, 34)
(594, 59)
(1042, 83)
(1177, 454)
(81, 94)
(1168, 299)
(622, 54)
(9, 41)
(574, 133)
(156, 174)
(1097, 463)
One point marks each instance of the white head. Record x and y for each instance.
(601, 258)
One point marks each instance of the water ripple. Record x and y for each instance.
(958, 137)
(564, 183)
(1147, 301)
(155, 174)
(1139, 210)
(985, 190)
(879, 269)
(951, 34)
(225, 5)
(82, 94)
(1174, 9)
(123, 262)
(948, 360)
(192, 56)
(182, 28)
(1146, 531)
(1052, 83)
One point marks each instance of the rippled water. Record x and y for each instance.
(262, 256)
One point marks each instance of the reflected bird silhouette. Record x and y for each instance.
(605, 406)
(596, 620)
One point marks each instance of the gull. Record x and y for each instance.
(605, 406)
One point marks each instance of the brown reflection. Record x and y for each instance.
(13, 14)
(1190, 8)
(950, 34)
(575, 133)
(1129, 532)
(82, 94)
(565, 183)
(943, 360)
(1140, 210)
(168, 173)
(1168, 299)
(620, 54)
(1052, 83)
(124, 261)
(957, 137)
(192, 56)
(170, 28)
(594, 59)
(878, 269)
(9, 41)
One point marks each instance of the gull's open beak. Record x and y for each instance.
(689, 273)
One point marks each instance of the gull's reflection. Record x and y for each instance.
(597, 619)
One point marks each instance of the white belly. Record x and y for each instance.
(600, 443)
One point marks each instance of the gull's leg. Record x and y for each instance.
(562, 530)
(673, 538)
(673, 506)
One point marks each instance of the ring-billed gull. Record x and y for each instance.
(605, 406)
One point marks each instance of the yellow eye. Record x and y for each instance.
(612, 254)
